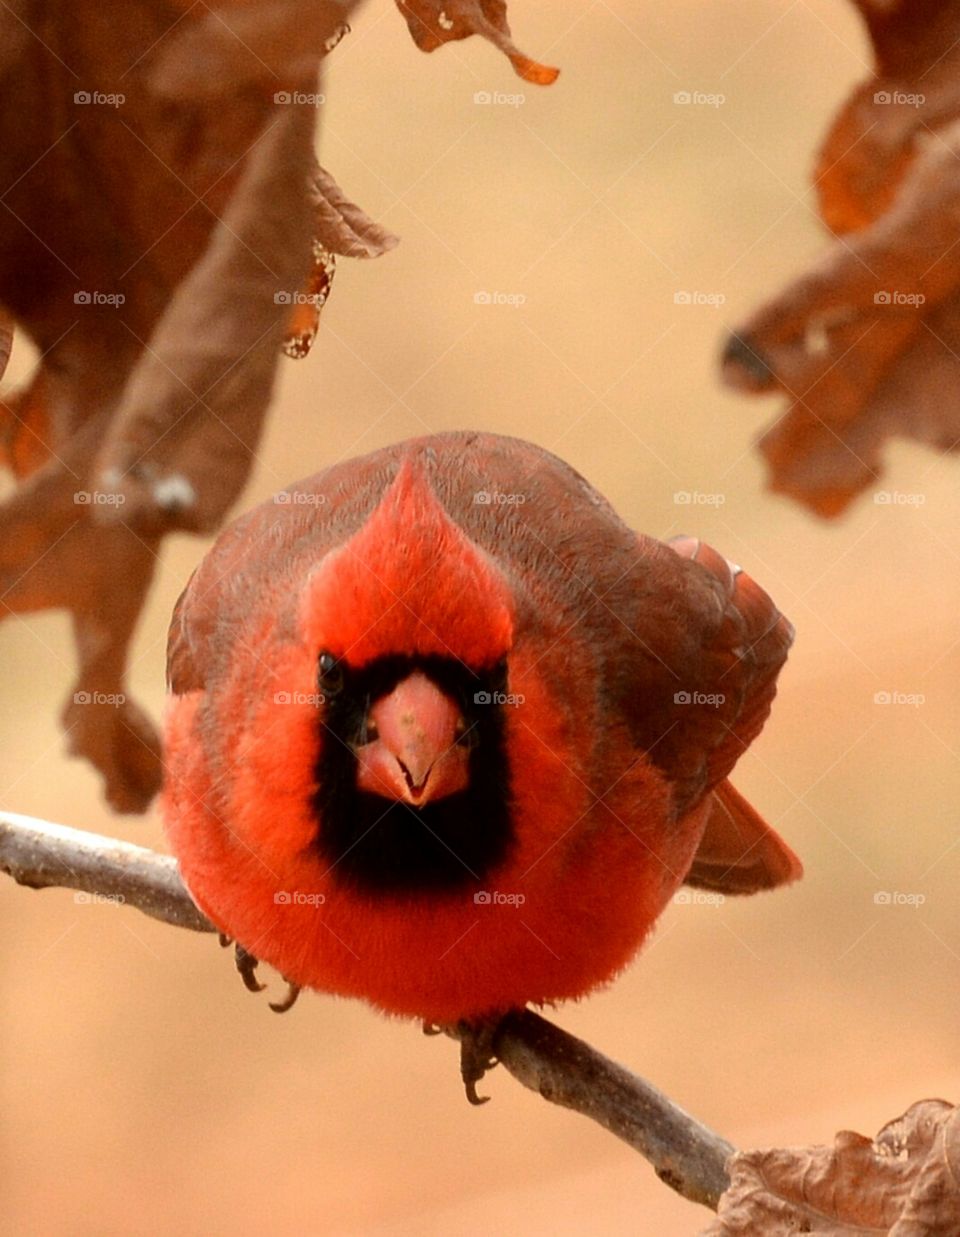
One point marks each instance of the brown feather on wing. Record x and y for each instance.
(741, 661)
(739, 852)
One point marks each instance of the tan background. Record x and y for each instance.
(143, 1091)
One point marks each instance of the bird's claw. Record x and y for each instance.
(288, 1002)
(247, 966)
(477, 1056)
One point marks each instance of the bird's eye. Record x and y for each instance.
(329, 674)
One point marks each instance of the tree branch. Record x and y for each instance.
(39, 854)
(687, 1156)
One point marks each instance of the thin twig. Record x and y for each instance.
(40, 854)
(687, 1156)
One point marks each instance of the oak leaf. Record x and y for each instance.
(160, 203)
(903, 1183)
(866, 343)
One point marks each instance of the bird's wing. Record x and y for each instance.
(699, 665)
(743, 654)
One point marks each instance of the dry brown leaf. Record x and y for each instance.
(343, 228)
(339, 227)
(866, 344)
(903, 1183)
(145, 240)
(434, 22)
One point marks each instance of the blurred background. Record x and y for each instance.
(143, 1090)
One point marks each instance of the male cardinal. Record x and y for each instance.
(446, 735)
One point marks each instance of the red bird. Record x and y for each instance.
(446, 735)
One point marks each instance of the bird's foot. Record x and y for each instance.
(247, 966)
(477, 1054)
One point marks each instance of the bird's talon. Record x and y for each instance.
(476, 1055)
(288, 1002)
(471, 1089)
(431, 1028)
(247, 966)
(224, 940)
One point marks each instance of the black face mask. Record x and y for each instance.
(384, 847)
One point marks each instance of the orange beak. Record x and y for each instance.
(414, 755)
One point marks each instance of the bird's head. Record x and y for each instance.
(411, 624)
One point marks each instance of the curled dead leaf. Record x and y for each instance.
(339, 227)
(866, 343)
(142, 254)
(903, 1183)
(435, 22)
